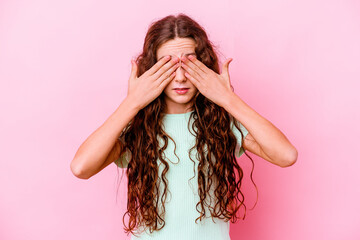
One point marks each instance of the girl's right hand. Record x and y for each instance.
(144, 89)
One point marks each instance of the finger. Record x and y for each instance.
(133, 69)
(168, 72)
(193, 80)
(225, 69)
(166, 67)
(198, 63)
(195, 73)
(158, 65)
(166, 81)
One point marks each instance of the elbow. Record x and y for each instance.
(76, 169)
(290, 159)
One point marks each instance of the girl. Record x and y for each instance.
(178, 133)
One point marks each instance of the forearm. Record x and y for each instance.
(271, 140)
(94, 150)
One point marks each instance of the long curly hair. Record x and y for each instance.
(212, 125)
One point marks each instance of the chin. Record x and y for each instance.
(181, 99)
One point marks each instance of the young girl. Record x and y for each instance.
(178, 133)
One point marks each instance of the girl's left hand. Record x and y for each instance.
(216, 87)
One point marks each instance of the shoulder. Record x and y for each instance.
(240, 135)
(123, 159)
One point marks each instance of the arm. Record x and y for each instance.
(101, 147)
(263, 139)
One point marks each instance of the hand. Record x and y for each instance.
(215, 87)
(150, 84)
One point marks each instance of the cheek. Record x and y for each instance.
(167, 89)
(193, 86)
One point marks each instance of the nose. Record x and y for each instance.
(180, 74)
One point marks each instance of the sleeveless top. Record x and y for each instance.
(180, 204)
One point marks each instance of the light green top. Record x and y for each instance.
(180, 204)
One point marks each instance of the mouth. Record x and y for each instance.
(181, 90)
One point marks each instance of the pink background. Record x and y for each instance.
(64, 67)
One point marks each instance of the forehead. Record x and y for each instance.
(176, 47)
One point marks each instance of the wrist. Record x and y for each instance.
(228, 100)
(132, 104)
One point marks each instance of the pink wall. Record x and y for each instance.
(64, 67)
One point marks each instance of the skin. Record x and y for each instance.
(264, 139)
(178, 103)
